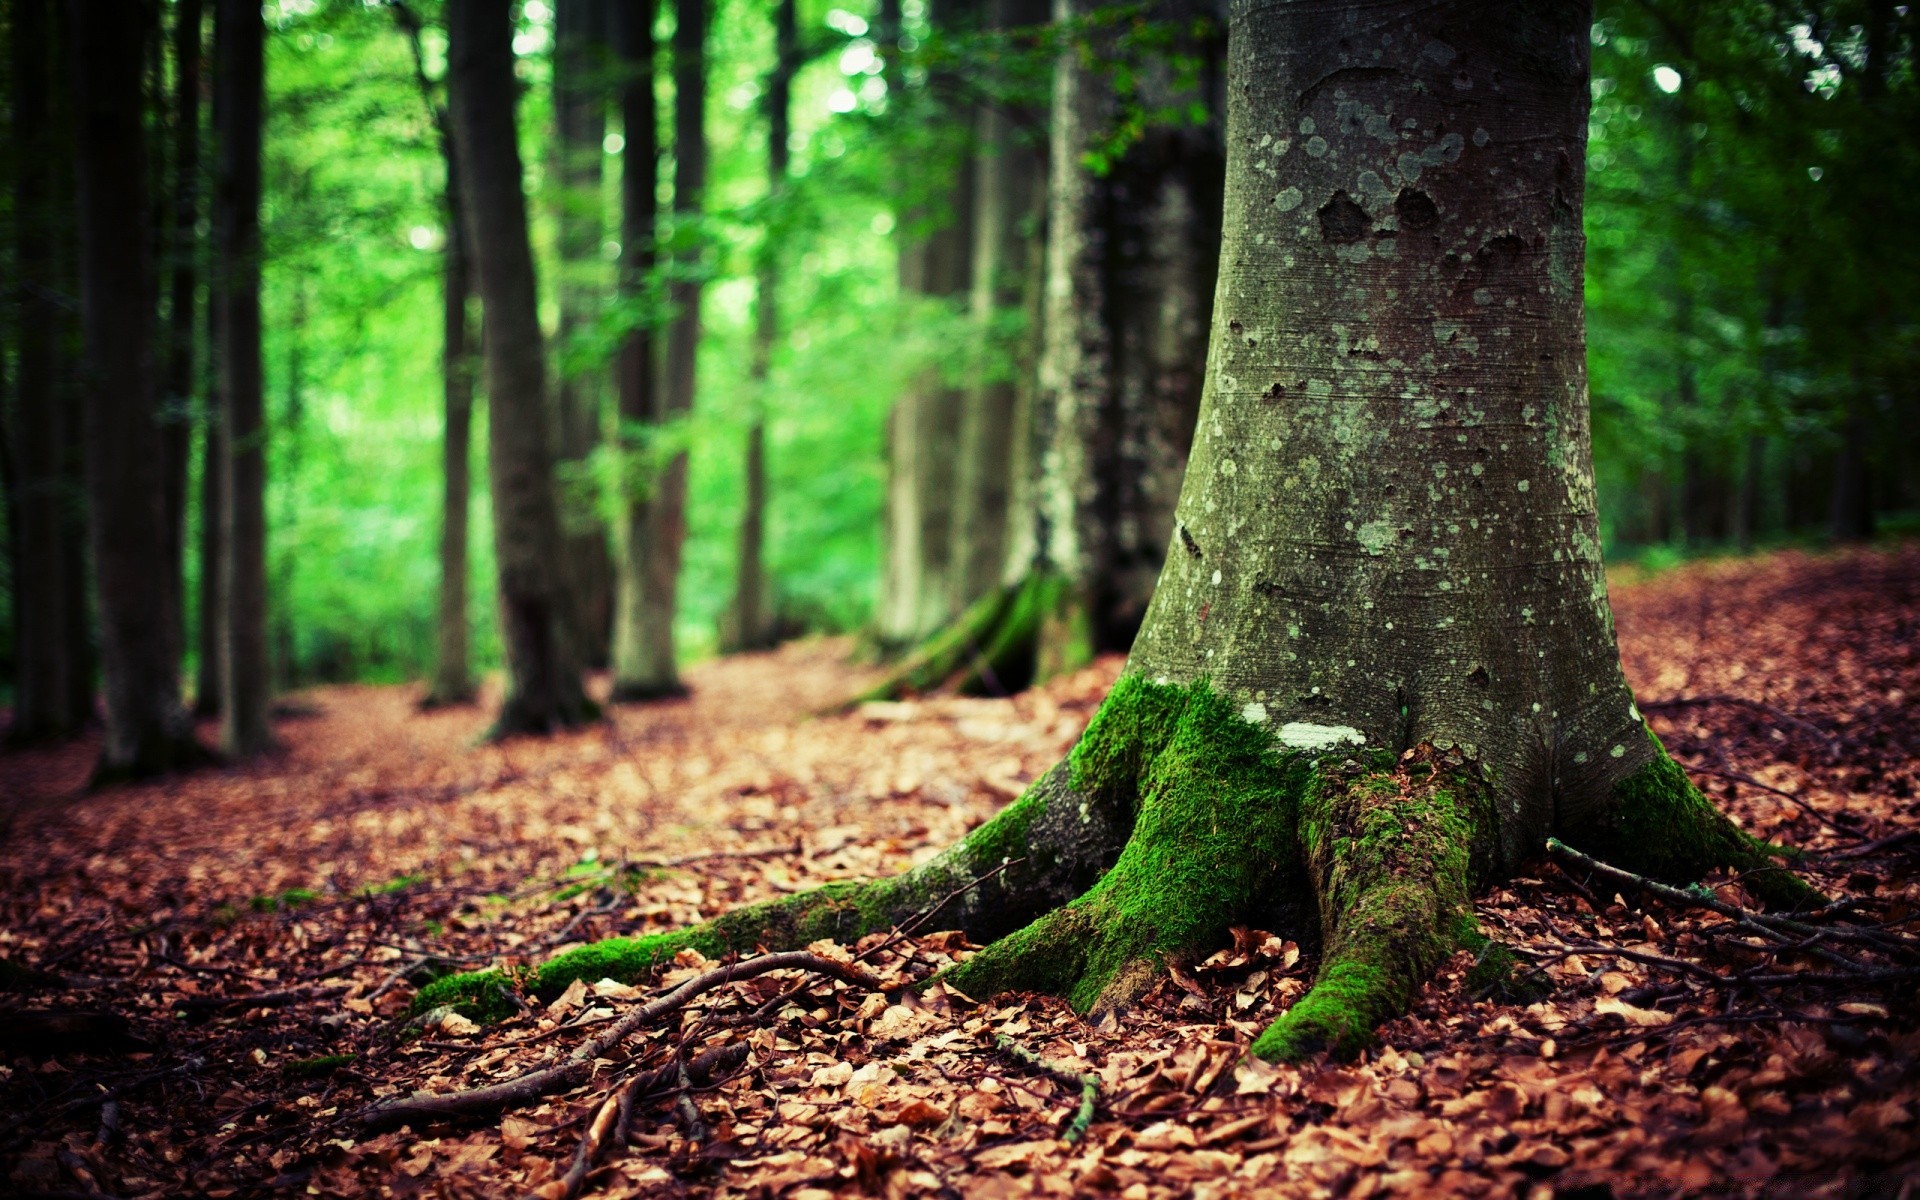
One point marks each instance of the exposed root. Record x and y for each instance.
(998, 646)
(1390, 856)
(1088, 1083)
(519, 717)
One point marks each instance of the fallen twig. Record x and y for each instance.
(1088, 1083)
(578, 1066)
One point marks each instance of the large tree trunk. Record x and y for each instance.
(749, 621)
(147, 729)
(644, 665)
(179, 405)
(53, 693)
(580, 74)
(543, 674)
(239, 52)
(1379, 667)
(452, 681)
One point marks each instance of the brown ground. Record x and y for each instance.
(381, 835)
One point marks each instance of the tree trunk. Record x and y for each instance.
(179, 407)
(749, 622)
(52, 690)
(239, 51)
(452, 681)
(644, 666)
(1098, 448)
(543, 675)
(1379, 667)
(636, 376)
(206, 688)
(923, 430)
(147, 729)
(580, 72)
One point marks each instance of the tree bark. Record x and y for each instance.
(53, 693)
(749, 622)
(644, 666)
(179, 402)
(580, 74)
(239, 49)
(147, 729)
(1379, 667)
(543, 675)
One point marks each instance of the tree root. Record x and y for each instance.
(993, 648)
(1087, 1082)
(579, 1065)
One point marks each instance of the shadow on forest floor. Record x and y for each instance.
(255, 931)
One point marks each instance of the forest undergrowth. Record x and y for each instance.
(209, 980)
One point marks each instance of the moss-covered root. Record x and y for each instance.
(1658, 824)
(994, 647)
(1390, 856)
(1037, 853)
(944, 653)
(1212, 844)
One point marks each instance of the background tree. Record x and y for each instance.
(581, 62)
(239, 53)
(147, 729)
(543, 684)
(645, 665)
(180, 391)
(53, 673)
(750, 620)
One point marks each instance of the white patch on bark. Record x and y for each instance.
(1288, 199)
(1302, 735)
(1254, 713)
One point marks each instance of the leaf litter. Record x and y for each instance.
(208, 978)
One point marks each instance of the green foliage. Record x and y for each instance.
(285, 901)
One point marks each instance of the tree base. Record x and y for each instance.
(1175, 819)
(162, 754)
(520, 719)
(1008, 640)
(647, 692)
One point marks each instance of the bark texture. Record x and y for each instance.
(147, 729)
(239, 50)
(53, 692)
(582, 61)
(179, 401)
(644, 664)
(543, 674)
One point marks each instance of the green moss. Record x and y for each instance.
(313, 1068)
(1213, 834)
(397, 884)
(285, 901)
(1394, 856)
(1659, 825)
(477, 995)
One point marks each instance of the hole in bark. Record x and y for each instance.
(1501, 253)
(1478, 677)
(1276, 392)
(1417, 209)
(1192, 547)
(1342, 220)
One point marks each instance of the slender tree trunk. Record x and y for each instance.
(1850, 510)
(452, 681)
(644, 664)
(239, 50)
(147, 730)
(636, 376)
(206, 690)
(581, 63)
(285, 638)
(749, 624)
(179, 407)
(52, 691)
(543, 674)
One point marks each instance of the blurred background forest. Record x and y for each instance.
(1751, 280)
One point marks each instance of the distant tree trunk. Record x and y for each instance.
(1098, 453)
(179, 410)
(644, 666)
(452, 681)
(923, 430)
(52, 692)
(147, 729)
(1009, 200)
(285, 641)
(543, 674)
(1850, 511)
(580, 126)
(636, 376)
(239, 52)
(206, 689)
(749, 623)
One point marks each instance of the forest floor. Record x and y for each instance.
(227, 956)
